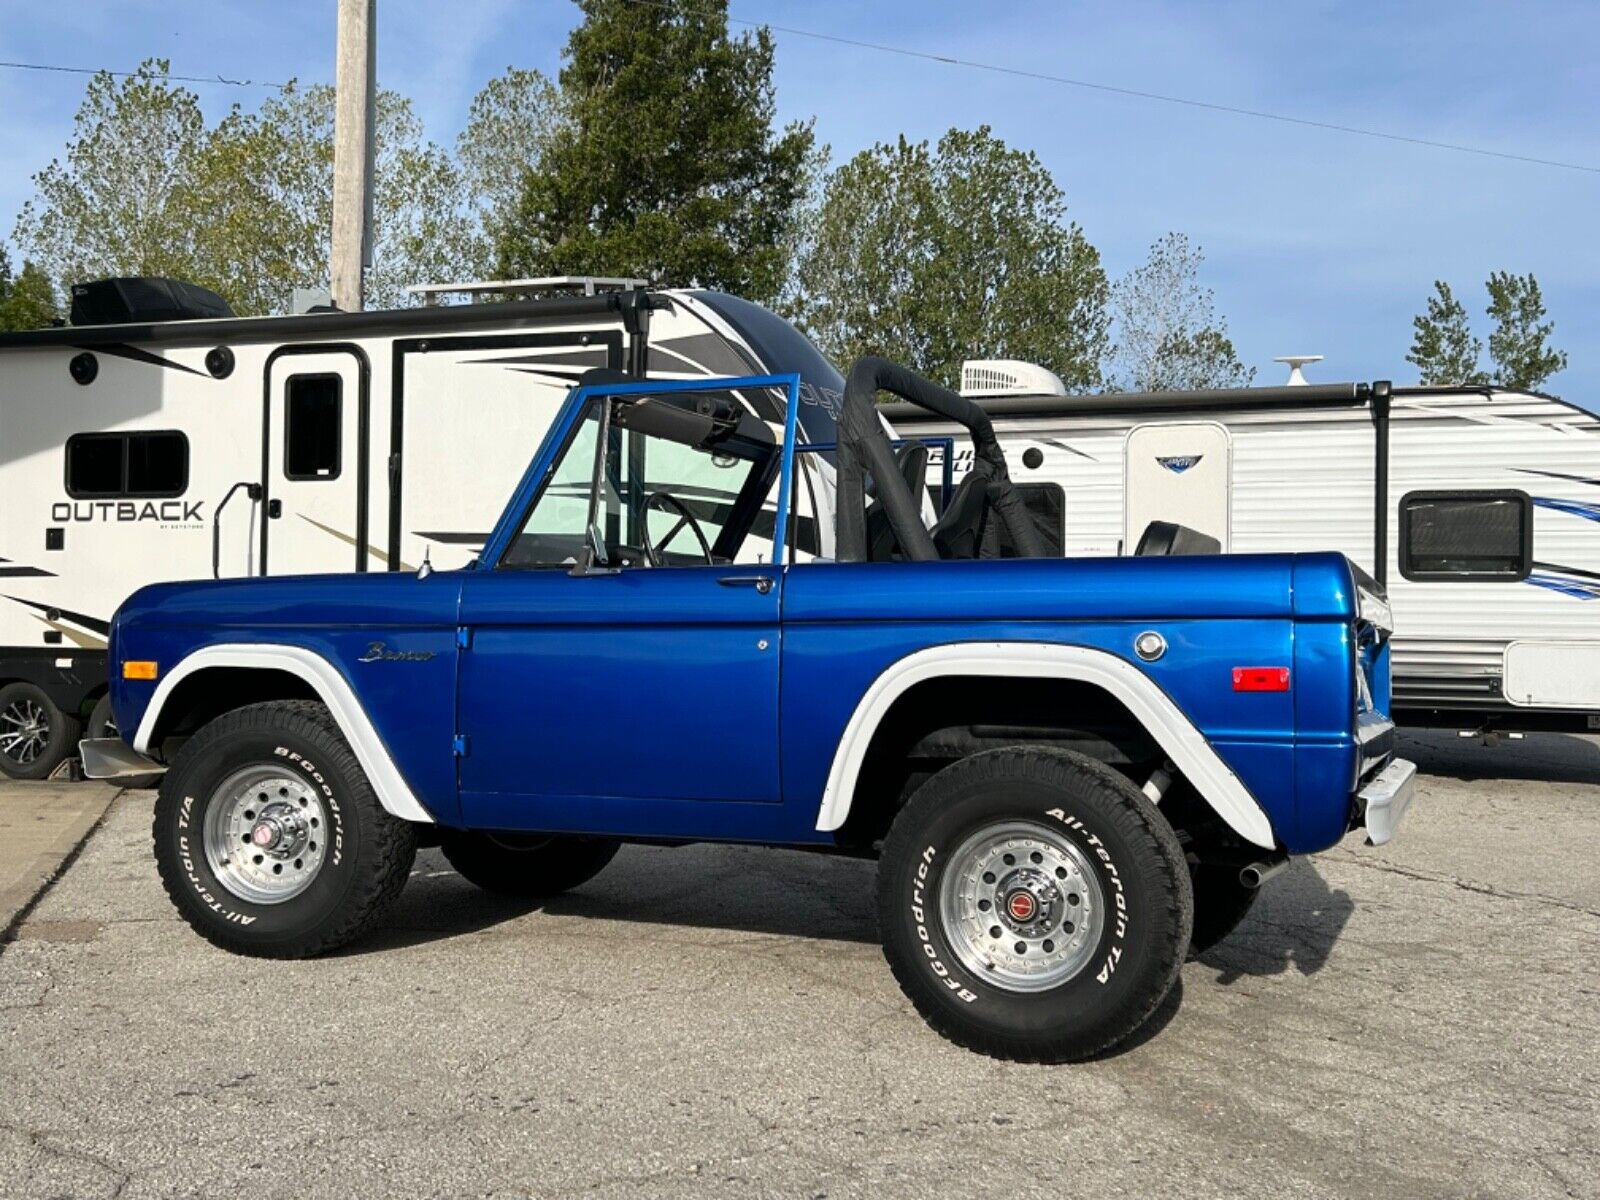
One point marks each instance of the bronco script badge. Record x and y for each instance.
(379, 652)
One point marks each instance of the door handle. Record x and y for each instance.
(761, 583)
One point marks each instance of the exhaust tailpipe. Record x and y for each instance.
(1257, 873)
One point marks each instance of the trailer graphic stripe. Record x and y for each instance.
(1575, 508)
(134, 354)
(94, 623)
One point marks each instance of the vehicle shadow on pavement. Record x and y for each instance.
(1547, 757)
(735, 888)
(1295, 923)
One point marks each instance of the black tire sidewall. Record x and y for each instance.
(187, 793)
(555, 865)
(101, 719)
(1092, 1006)
(58, 746)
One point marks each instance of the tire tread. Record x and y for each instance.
(1138, 819)
(392, 841)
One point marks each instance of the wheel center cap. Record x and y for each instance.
(264, 835)
(1029, 903)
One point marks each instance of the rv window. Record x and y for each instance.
(1466, 535)
(311, 427)
(103, 465)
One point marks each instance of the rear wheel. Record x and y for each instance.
(1033, 904)
(270, 840)
(35, 735)
(530, 866)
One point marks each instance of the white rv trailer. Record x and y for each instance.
(1479, 508)
(153, 450)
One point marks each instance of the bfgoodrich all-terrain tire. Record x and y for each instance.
(529, 867)
(1033, 905)
(35, 735)
(269, 838)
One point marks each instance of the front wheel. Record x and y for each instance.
(269, 839)
(1033, 904)
(527, 866)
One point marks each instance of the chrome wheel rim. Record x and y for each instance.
(265, 834)
(24, 731)
(1021, 906)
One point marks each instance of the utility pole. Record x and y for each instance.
(353, 151)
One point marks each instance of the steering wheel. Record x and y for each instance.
(685, 517)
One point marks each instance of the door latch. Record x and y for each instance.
(459, 745)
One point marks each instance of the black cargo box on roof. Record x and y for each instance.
(144, 300)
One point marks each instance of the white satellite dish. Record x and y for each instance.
(1295, 362)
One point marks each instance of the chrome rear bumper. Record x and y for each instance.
(113, 758)
(1385, 798)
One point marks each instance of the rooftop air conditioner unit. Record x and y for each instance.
(1008, 377)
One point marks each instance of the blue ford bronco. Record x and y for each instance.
(1072, 773)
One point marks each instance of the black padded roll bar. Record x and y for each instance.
(864, 447)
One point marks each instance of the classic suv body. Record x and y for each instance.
(666, 704)
(1072, 772)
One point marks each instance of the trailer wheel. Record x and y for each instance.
(1033, 904)
(531, 867)
(35, 735)
(269, 839)
(102, 721)
(1221, 902)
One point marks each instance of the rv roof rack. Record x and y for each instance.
(550, 285)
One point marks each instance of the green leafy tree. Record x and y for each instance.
(1169, 335)
(507, 135)
(120, 201)
(269, 177)
(1519, 345)
(1443, 347)
(244, 207)
(666, 164)
(27, 301)
(962, 250)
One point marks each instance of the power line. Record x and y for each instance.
(1113, 89)
(218, 79)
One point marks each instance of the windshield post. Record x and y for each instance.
(592, 557)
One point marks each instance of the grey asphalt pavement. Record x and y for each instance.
(1412, 1021)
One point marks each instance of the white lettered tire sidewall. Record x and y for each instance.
(329, 911)
(1143, 887)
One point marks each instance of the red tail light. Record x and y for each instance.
(1261, 679)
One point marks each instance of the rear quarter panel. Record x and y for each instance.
(843, 625)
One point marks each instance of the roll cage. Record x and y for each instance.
(865, 449)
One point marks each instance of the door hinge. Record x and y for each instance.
(463, 637)
(460, 745)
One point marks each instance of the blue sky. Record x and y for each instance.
(1316, 241)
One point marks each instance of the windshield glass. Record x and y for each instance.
(658, 501)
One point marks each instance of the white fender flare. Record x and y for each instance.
(1185, 745)
(331, 688)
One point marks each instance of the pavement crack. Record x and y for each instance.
(41, 1142)
(1370, 863)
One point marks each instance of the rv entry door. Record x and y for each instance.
(315, 457)
(1179, 471)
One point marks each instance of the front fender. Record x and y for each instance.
(330, 686)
